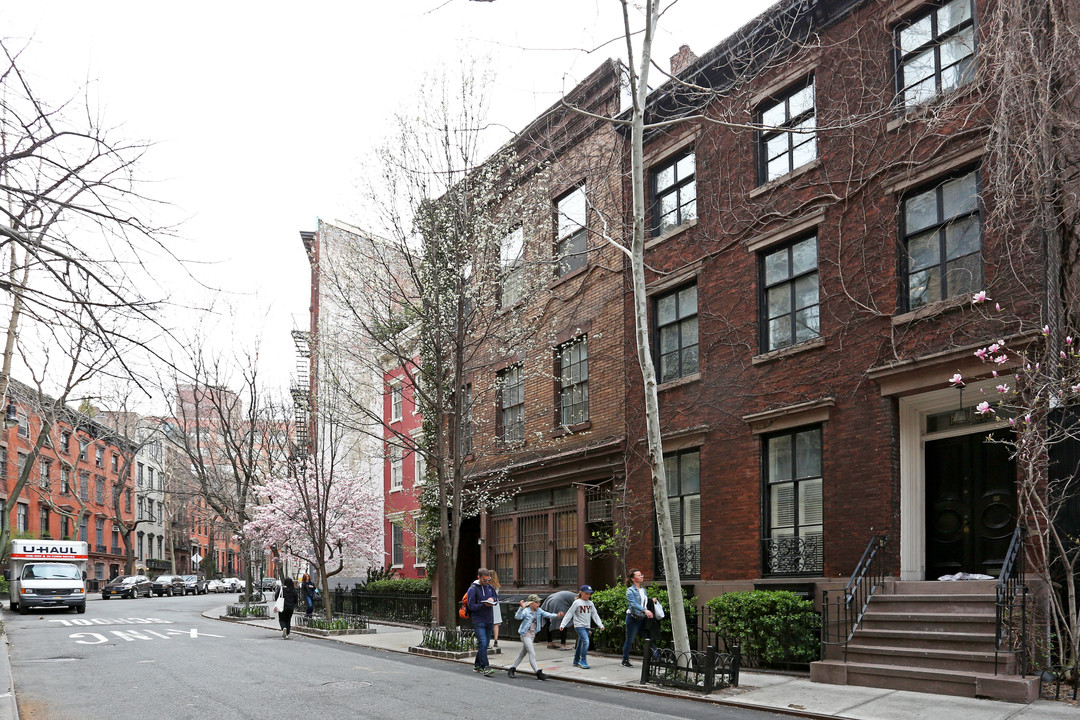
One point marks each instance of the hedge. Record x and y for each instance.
(771, 627)
(611, 604)
(400, 586)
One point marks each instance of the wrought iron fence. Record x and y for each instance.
(245, 610)
(339, 622)
(794, 555)
(450, 639)
(696, 670)
(1011, 633)
(415, 609)
(841, 617)
(688, 555)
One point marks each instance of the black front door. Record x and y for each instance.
(970, 505)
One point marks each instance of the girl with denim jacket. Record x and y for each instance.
(531, 616)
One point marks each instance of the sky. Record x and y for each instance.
(263, 115)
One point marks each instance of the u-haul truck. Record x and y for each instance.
(50, 573)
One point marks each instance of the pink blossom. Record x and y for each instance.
(1062, 354)
(1012, 421)
(982, 408)
(957, 379)
(1046, 330)
(981, 353)
(1068, 340)
(1027, 418)
(997, 306)
(1000, 359)
(1076, 388)
(994, 373)
(1003, 388)
(979, 297)
(993, 348)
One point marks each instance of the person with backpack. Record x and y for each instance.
(582, 613)
(530, 616)
(480, 601)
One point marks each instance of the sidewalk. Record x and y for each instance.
(764, 691)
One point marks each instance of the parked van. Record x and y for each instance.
(49, 573)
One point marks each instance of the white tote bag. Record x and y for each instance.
(280, 604)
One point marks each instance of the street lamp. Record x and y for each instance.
(11, 417)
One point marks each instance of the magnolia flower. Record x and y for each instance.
(957, 379)
(1000, 359)
(994, 373)
(1046, 330)
(1076, 388)
(981, 353)
(1003, 388)
(979, 297)
(993, 348)
(1062, 354)
(1027, 418)
(1012, 421)
(982, 408)
(1068, 340)
(997, 306)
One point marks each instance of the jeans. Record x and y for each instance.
(309, 603)
(582, 646)
(483, 635)
(632, 628)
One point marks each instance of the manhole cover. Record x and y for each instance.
(347, 684)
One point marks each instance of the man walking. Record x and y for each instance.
(481, 599)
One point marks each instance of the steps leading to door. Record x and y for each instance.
(932, 637)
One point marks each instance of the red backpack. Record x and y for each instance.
(463, 611)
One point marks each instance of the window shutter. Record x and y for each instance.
(810, 503)
(783, 505)
(693, 515)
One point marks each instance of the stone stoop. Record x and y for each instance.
(932, 637)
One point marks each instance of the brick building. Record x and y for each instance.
(403, 470)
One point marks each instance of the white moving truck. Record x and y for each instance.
(50, 573)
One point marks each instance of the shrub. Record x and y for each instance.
(611, 604)
(771, 627)
(400, 586)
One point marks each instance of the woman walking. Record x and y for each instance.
(288, 591)
(307, 591)
(530, 616)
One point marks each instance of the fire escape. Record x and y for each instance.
(301, 391)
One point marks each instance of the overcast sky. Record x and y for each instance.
(263, 112)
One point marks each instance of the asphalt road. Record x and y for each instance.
(159, 658)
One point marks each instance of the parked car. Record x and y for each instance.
(235, 584)
(194, 584)
(218, 585)
(128, 586)
(169, 585)
(268, 583)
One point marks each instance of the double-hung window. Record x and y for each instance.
(934, 52)
(511, 418)
(44, 467)
(573, 363)
(22, 517)
(571, 244)
(512, 288)
(942, 233)
(788, 138)
(44, 527)
(394, 452)
(419, 463)
(790, 302)
(677, 333)
(793, 500)
(395, 400)
(683, 470)
(674, 193)
(397, 544)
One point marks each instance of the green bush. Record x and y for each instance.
(611, 604)
(771, 627)
(400, 586)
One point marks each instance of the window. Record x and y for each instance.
(24, 426)
(99, 490)
(65, 442)
(466, 422)
(394, 452)
(150, 511)
(677, 333)
(84, 531)
(398, 544)
(572, 238)
(513, 269)
(99, 532)
(44, 528)
(161, 547)
(504, 550)
(150, 478)
(115, 463)
(161, 510)
(420, 465)
(22, 519)
(84, 485)
(395, 401)
(674, 193)
(942, 231)
(787, 139)
(21, 461)
(142, 513)
(511, 418)
(934, 52)
(140, 469)
(793, 502)
(789, 279)
(683, 470)
(139, 543)
(43, 473)
(3, 463)
(82, 449)
(127, 501)
(115, 538)
(99, 456)
(573, 368)
(65, 480)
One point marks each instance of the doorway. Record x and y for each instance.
(970, 504)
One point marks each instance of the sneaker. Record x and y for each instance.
(511, 672)
(495, 644)
(584, 666)
(284, 633)
(488, 672)
(555, 646)
(626, 663)
(477, 668)
(577, 664)
(540, 675)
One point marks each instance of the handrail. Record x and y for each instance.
(1010, 582)
(868, 576)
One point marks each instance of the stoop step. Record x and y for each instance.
(1011, 688)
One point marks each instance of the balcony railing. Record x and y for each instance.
(689, 558)
(794, 555)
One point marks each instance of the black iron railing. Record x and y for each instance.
(450, 639)
(339, 622)
(702, 671)
(794, 555)
(414, 609)
(1011, 634)
(841, 617)
(687, 554)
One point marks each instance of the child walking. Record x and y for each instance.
(530, 616)
(583, 612)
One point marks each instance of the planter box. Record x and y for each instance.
(447, 654)
(329, 633)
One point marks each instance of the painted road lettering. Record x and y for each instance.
(93, 638)
(112, 621)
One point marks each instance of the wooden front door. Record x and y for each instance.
(970, 505)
